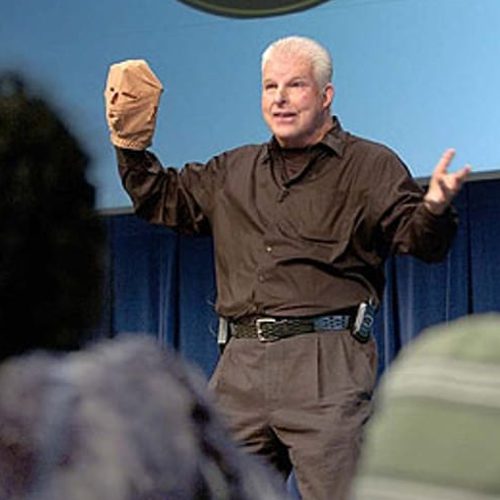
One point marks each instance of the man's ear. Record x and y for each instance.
(328, 95)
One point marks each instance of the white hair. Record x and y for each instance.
(303, 47)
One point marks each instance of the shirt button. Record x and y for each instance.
(269, 249)
(261, 278)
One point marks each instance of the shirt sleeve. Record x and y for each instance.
(176, 198)
(408, 226)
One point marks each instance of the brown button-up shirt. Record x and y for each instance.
(308, 244)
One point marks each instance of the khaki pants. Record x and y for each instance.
(300, 402)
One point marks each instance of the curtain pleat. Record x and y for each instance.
(484, 236)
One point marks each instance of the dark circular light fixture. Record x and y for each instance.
(251, 8)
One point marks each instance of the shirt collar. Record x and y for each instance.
(334, 140)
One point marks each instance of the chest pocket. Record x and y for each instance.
(322, 217)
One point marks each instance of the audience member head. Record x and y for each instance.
(435, 431)
(50, 236)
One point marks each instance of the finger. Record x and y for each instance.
(457, 179)
(445, 161)
(463, 173)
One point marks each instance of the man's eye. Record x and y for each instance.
(269, 86)
(298, 84)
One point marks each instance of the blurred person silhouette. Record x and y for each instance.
(436, 431)
(117, 419)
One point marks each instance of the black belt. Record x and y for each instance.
(271, 329)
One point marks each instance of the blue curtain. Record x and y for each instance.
(141, 289)
(163, 284)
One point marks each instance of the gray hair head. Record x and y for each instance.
(300, 46)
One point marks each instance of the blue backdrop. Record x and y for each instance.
(418, 75)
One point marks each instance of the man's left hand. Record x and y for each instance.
(444, 186)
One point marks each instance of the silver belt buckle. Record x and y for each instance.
(259, 322)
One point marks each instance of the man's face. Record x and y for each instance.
(294, 107)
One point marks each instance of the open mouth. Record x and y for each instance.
(284, 115)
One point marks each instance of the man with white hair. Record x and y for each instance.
(302, 226)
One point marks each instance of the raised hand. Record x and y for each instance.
(444, 185)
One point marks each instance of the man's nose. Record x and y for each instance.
(280, 95)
